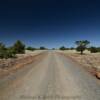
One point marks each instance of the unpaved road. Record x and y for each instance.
(53, 77)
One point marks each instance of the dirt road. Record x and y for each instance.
(53, 77)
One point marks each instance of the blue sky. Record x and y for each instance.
(50, 23)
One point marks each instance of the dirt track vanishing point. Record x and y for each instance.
(52, 77)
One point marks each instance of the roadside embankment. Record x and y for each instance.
(90, 61)
(10, 65)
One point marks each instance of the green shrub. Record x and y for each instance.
(72, 48)
(2, 50)
(42, 48)
(10, 52)
(98, 48)
(62, 48)
(93, 50)
(31, 48)
(18, 47)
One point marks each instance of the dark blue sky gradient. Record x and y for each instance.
(50, 23)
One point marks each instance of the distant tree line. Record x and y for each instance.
(65, 48)
(82, 45)
(32, 48)
(17, 48)
(94, 49)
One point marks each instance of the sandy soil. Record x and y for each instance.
(12, 64)
(91, 61)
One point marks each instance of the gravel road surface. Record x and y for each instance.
(53, 77)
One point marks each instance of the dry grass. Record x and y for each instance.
(19, 58)
(90, 60)
(12, 64)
